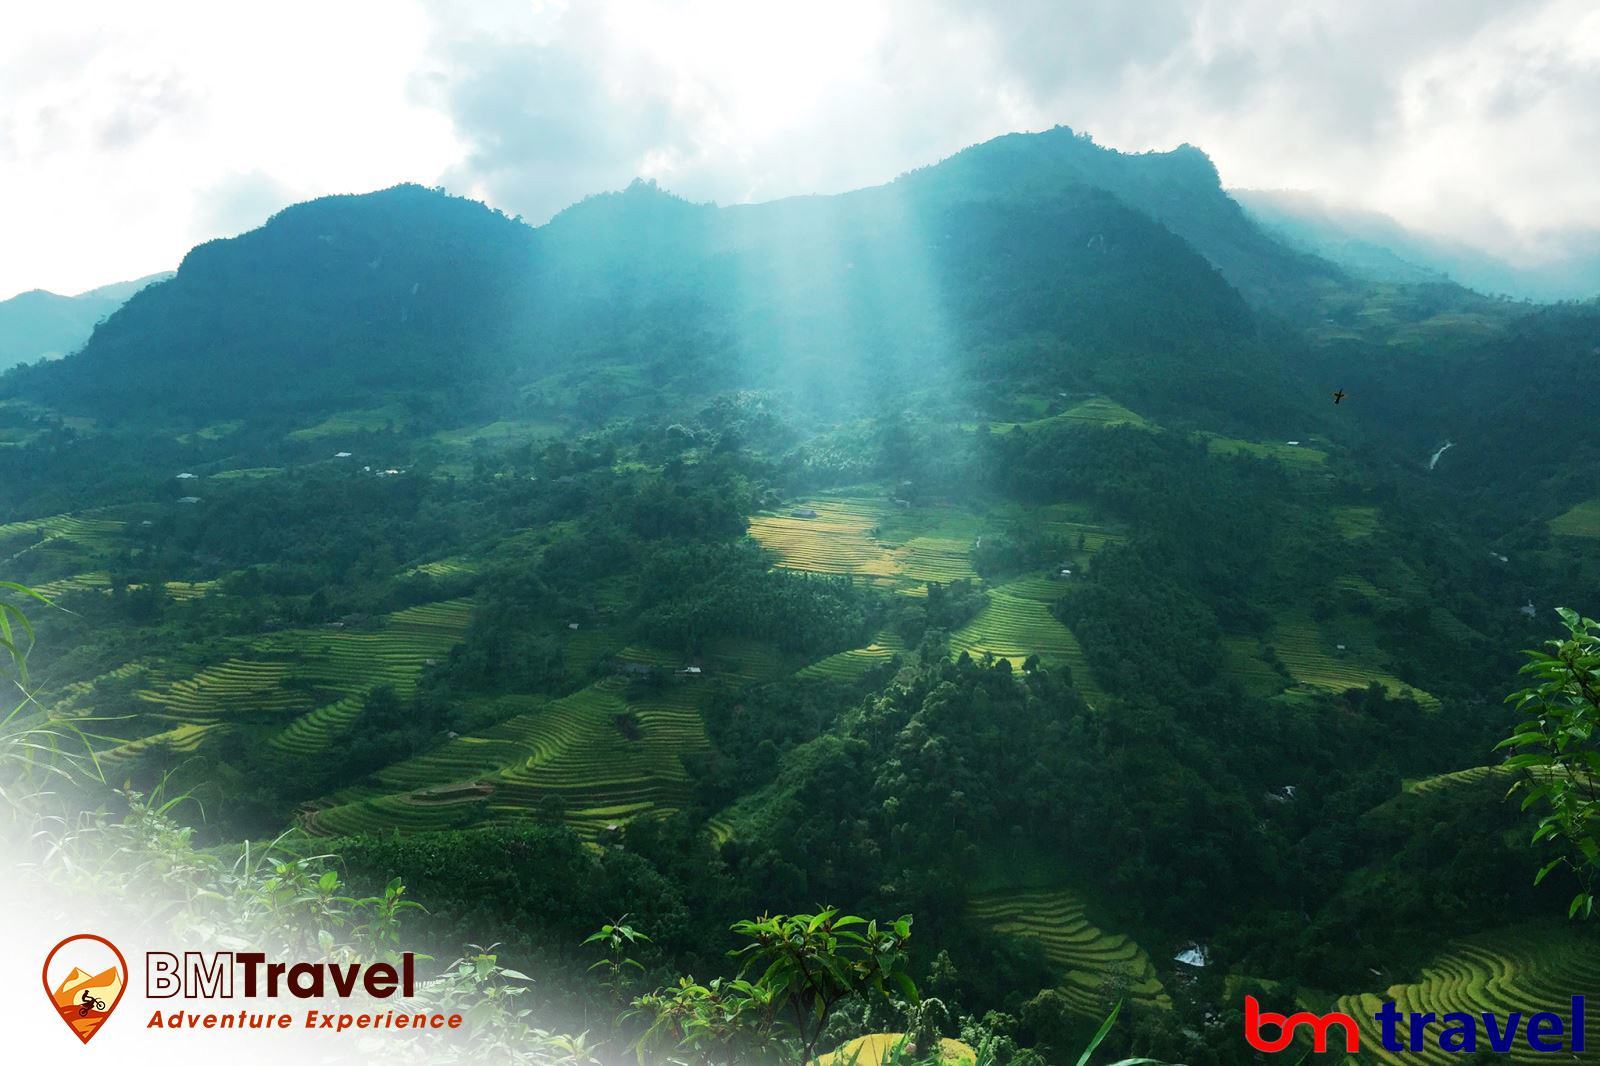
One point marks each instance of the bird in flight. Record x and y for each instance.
(1338, 396)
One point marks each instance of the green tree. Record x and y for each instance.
(1557, 744)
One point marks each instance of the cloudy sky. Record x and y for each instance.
(130, 132)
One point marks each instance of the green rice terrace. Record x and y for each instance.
(1017, 623)
(1097, 967)
(1313, 660)
(1099, 411)
(70, 535)
(904, 548)
(848, 535)
(1292, 454)
(1581, 521)
(599, 756)
(1526, 968)
(305, 684)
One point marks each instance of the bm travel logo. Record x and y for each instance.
(86, 975)
(1542, 1031)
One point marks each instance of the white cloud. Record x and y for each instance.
(168, 123)
(129, 133)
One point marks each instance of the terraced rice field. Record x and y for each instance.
(346, 665)
(370, 419)
(1290, 455)
(78, 531)
(571, 749)
(1091, 959)
(871, 538)
(515, 430)
(1243, 661)
(248, 472)
(1470, 776)
(183, 591)
(97, 579)
(453, 567)
(1017, 623)
(1098, 411)
(214, 432)
(1356, 522)
(1359, 585)
(312, 682)
(1524, 968)
(837, 541)
(1074, 523)
(182, 738)
(1301, 648)
(852, 665)
(1582, 521)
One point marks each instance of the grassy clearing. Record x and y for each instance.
(1528, 968)
(1095, 964)
(1313, 661)
(1582, 521)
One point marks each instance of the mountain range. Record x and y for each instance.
(43, 325)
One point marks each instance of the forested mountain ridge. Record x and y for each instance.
(914, 274)
(984, 545)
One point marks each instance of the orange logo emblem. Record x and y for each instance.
(84, 976)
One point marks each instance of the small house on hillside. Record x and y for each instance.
(1195, 955)
(690, 671)
(803, 512)
(188, 499)
(341, 455)
(186, 476)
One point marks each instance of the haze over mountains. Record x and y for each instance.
(43, 325)
(1375, 246)
(1159, 285)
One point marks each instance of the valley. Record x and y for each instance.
(995, 556)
